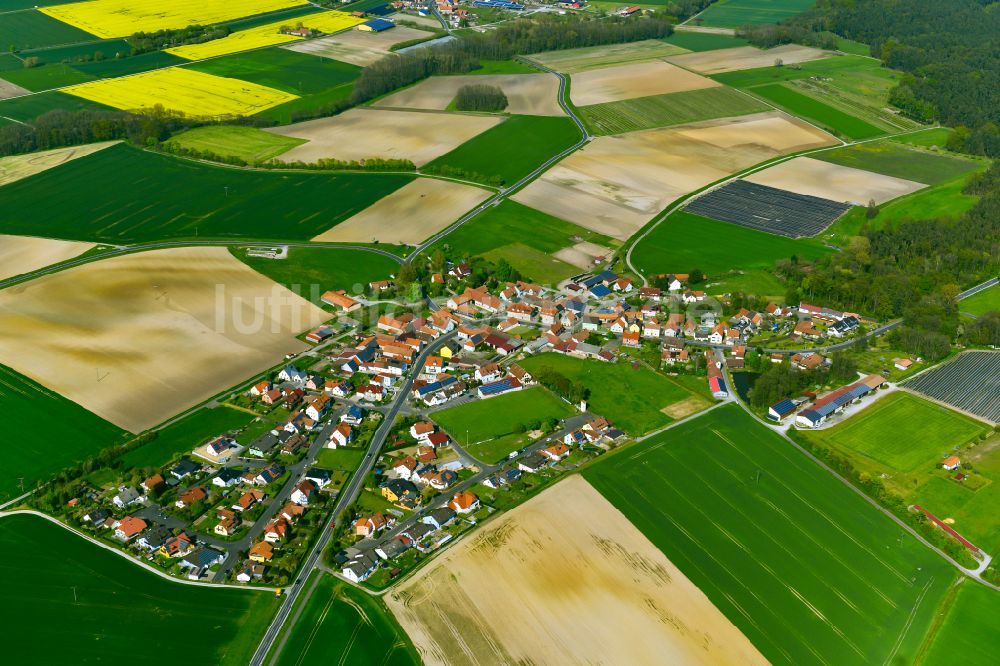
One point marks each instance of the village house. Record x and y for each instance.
(303, 492)
(129, 527)
(342, 435)
(248, 499)
(340, 299)
(190, 496)
(366, 527)
(262, 551)
(464, 502)
(127, 495)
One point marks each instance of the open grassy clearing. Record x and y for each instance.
(670, 109)
(24, 254)
(68, 435)
(684, 241)
(631, 398)
(967, 635)
(487, 429)
(130, 337)
(515, 605)
(703, 41)
(512, 149)
(186, 434)
(822, 114)
(311, 271)
(736, 13)
(804, 567)
(31, 29)
(893, 159)
(120, 610)
(571, 61)
(27, 108)
(985, 301)
(341, 624)
(218, 201)
(503, 230)
(246, 143)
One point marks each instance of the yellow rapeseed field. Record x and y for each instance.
(120, 18)
(184, 91)
(266, 35)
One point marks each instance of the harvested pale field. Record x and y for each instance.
(563, 579)
(612, 84)
(527, 94)
(686, 407)
(16, 167)
(583, 255)
(804, 175)
(571, 61)
(746, 57)
(363, 133)
(617, 183)
(138, 338)
(23, 254)
(356, 47)
(409, 215)
(8, 90)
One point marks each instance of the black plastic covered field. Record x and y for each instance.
(768, 209)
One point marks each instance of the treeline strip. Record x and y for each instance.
(480, 97)
(323, 164)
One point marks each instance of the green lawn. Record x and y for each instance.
(52, 433)
(69, 601)
(32, 29)
(345, 459)
(822, 114)
(736, 13)
(185, 435)
(247, 143)
(893, 159)
(29, 107)
(631, 398)
(985, 301)
(489, 426)
(703, 41)
(217, 201)
(538, 265)
(684, 242)
(341, 624)
(673, 109)
(512, 149)
(804, 567)
(311, 271)
(903, 431)
(46, 77)
(967, 636)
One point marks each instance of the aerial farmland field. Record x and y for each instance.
(563, 579)
(985, 301)
(72, 434)
(813, 177)
(804, 567)
(29, 107)
(246, 143)
(527, 94)
(970, 382)
(892, 159)
(219, 201)
(812, 109)
(745, 57)
(736, 13)
(32, 29)
(47, 567)
(572, 61)
(16, 167)
(357, 47)
(972, 612)
(703, 41)
(644, 79)
(24, 254)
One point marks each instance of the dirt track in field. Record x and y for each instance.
(139, 338)
(746, 57)
(360, 134)
(563, 579)
(805, 175)
(409, 215)
(23, 254)
(356, 47)
(528, 94)
(617, 183)
(611, 84)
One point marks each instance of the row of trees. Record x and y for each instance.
(144, 42)
(480, 97)
(562, 385)
(322, 164)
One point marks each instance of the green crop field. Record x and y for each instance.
(512, 149)
(672, 109)
(985, 301)
(30, 29)
(217, 201)
(504, 231)
(69, 601)
(631, 398)
(29, 107)
(502, 67)
(59, 432)
(103, 50)
(736, 13)
(684, 242)
(311, 271)
(341, 624)
(804, 567)
(489, 427)
(893, 159)
(936, 137)
(110, 68)
(967, 635)
(703, 41)
(246, 143)
(903, 431)
(46, 77)
(822, 114)
(186, 434)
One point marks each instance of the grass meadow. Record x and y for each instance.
(69, 601)
(341, 624)
(703, 41)
(892, 159)
(736, 13)
(822, 114)
(985, 301)
(804, 567)
(512, 149)
(246, 143)
(936, 137)
(672, 109)
(218, 202)
(967, 635)
(54, 433)
(489, 427)
(631, 398)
